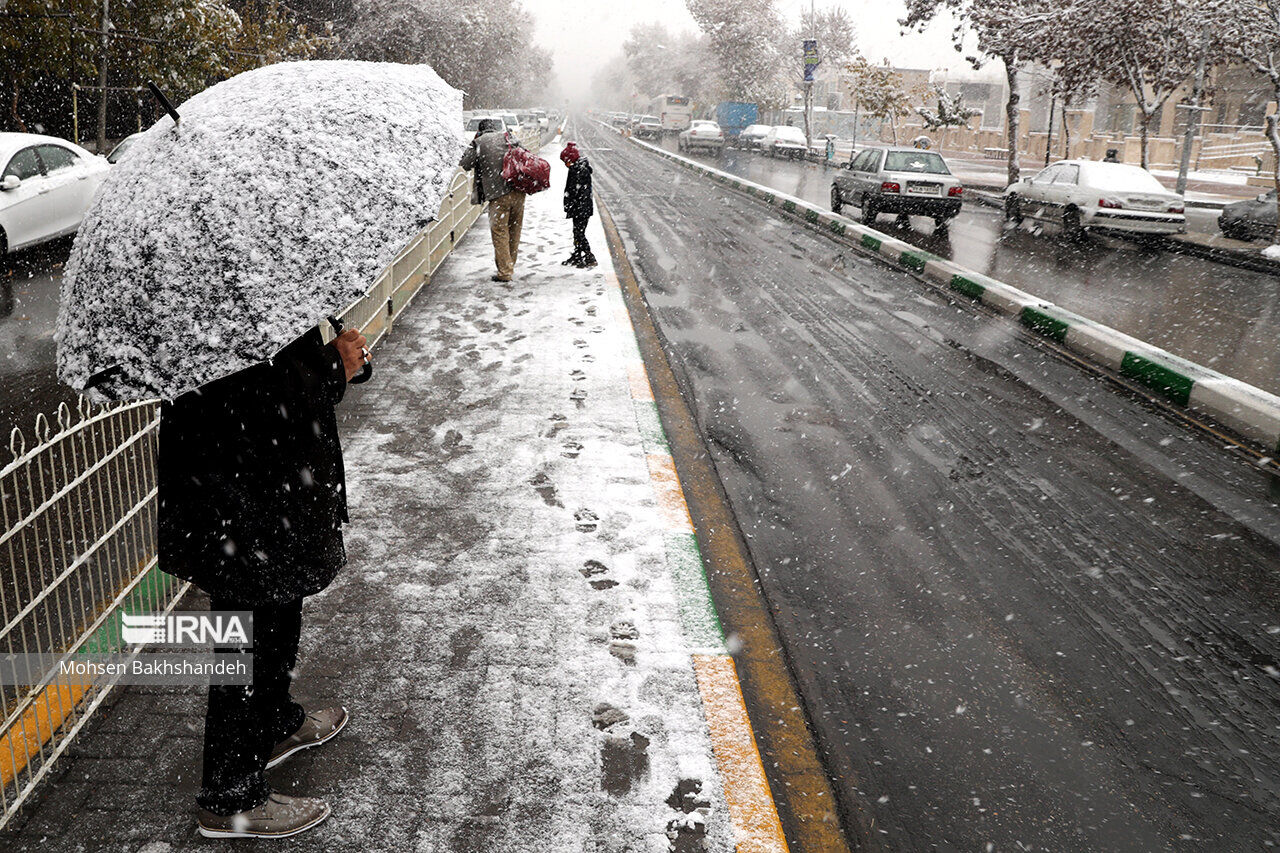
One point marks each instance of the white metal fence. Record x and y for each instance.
(79, 541)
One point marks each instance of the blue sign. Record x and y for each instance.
(810, 59)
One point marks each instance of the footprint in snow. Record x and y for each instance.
(586, 520)
(545, 488)
(558, 422)
(622, 637)
(687, 831)
(591, 310)
(578, 396)
(579, 343)
(571, 449)
(624, 759)
(594, 571)
(578, 375)
(577, 321)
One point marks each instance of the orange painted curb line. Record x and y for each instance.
(754, 816)
(639, 382)
(30, 732)
(666, 486)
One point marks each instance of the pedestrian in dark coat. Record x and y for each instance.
(252, 497)
(578, 205)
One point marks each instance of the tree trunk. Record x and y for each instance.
(1011, 118)
(1146, 130)
(1273, 134)
(1066, 134)
(18, 123)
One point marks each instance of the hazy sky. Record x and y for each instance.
(584, 34)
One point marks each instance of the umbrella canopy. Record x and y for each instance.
(274, 202)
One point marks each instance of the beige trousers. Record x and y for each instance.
(506, 217)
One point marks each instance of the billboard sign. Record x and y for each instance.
(810, 59)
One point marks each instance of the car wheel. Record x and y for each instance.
(869, 212)
(1071, 224)
(1013, 209)
(836, 204)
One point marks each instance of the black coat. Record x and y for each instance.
(577, 191)
(251, 485)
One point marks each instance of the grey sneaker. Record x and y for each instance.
(317, 728)
(279, 817)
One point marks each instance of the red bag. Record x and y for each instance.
(523, 171)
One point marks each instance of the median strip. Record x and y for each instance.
(1244, 408)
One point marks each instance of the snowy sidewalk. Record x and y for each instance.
(522, 634)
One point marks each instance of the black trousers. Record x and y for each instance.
(581, 248)
(245, 722)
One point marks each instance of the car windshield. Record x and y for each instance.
(791, 134)
(119, 150)
(1118, 177)
(915, 161)
(649, 120)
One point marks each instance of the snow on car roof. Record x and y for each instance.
(1118, 177)
(11, 142)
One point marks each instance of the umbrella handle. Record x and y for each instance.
(366, 372)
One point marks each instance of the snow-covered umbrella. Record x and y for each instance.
(273, 203)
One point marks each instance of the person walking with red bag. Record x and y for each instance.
(504, 173)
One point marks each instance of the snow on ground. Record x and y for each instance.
(1272, 252)
(276, 200)
(502, 507)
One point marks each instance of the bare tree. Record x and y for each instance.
(1008, 30)
(1151, 47)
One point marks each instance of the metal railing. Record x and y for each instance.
(79, 536)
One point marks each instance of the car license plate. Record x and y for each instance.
(924, 189)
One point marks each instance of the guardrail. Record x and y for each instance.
(79, 512)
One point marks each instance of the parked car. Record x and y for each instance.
(619, 119)
(903, 181)
(122, 147)
(1082, 194)
(784, 140)
(1245, 220)
(701, 134)
(46, 185)
(751, 135)
(649, 127)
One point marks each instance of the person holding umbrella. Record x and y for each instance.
(201, 277)
(506, 204)
(578, 205)
(252, 498)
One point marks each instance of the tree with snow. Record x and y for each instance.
(1151, 47)
(1007, 30)
(951, 111)
(878, 91)
(1251, 33)
(743, 37)
(485, 47)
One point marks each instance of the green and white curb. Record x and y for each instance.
(1243, 408)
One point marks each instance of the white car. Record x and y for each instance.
(46, 185)
(1082, 194)
(752, 134)
(701, 134)
(784, 140)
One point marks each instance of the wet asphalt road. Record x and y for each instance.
(1025, 609)
(1211, 313)
(29, 283)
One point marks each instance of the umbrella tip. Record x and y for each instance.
(163, 101)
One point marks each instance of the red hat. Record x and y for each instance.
(570, 154)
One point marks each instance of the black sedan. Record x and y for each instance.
(1245, 220)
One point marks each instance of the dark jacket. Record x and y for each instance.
(252, 492)
(577, 191)
(485, 156)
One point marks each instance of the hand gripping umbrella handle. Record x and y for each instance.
(365, 372)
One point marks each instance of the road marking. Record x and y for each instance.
(756, 827)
